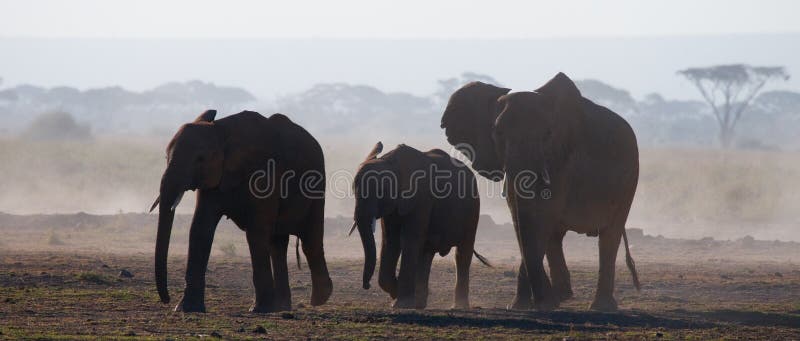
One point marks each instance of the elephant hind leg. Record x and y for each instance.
(311, 242)
(562, 285)
(280, 272)
(259, 241)
(423, 275)
(609, 245)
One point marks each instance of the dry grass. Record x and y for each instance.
(78, 296)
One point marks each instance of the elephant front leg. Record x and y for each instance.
(523, 299)
(562, 285)
(534, 237)
(409, 261)
(201, 236)
(423, 276)
(463, 262)
(280, 273)
(390, 255)
(609, 244)
(258, 240)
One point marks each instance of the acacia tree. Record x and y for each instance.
(729, 90)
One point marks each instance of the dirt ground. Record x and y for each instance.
(54, 286)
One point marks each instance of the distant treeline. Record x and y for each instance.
(771, 122)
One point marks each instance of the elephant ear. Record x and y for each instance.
(207, 116)
(468, 121)
(377, 149)
(240, 161)
(563, 92)
(413, 178)
(566, 105)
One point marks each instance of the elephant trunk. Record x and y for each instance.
(366, 229)
(169, 198)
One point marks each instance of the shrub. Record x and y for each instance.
(56, 125)
(54, 239)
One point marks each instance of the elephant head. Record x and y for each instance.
(512, 132)
(468, 121)
(383, 186)
(194, 161)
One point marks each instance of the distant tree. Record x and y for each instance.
(340, 107)
(450, 85)
(779, 102)
(729, 90)
(57, 125)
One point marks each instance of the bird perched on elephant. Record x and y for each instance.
(568, 163)
(427, 203)
(265, 174)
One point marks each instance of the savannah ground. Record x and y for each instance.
(60, 278)
(59, 274)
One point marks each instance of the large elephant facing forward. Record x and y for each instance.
(237, 165)
(569, 164)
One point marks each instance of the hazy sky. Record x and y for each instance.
(393, 19)
(274, 48)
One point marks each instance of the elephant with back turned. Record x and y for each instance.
(569, 164)
(235, 164)
(428, 204)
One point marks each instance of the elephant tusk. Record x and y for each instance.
(352, 228)
(177, 201)
(155, 203)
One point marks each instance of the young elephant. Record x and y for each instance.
(427, 203)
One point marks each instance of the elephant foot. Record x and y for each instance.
(421, 303)
(283, 305)
(520, 304)
(404, 303)
(604, 304)
(261, 308)
(321, 293)
(564, 294)
(460, 305)
(546, 305)
(191, 306)
(389, 287)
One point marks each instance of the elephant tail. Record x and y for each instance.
(629, 261)
(297, 252)
(482, 259)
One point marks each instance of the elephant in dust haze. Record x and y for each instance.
(233, 163)
(427, 203)
(568, 163)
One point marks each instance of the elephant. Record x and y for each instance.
(568, 164)
(427, 203)
(233, 164)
